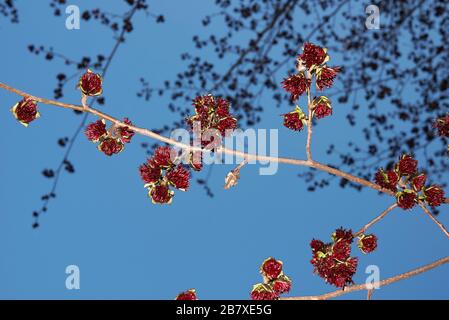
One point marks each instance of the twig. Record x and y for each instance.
(248, 156)
(381, 216)
(309, 125)
(438, 223)
(377, 284)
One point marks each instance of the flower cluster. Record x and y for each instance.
(409, 184)
(212, 121)
(187, 295)
(321, 107)
(162, 171)
(295, 120)
(333, 262)
(112, 140)
(91, 84)
(25, 111)
(311, 64)
(275, 282)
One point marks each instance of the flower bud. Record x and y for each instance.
(367, 243)
(25, 111)
(271, 268)
(91, 84)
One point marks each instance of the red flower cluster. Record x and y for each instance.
(296, 85)
(387, 179)
(111, 141)
(311, 63)
(313, 55)
(367, 243)
(325, 77)
(90, 84)
(321, 107)
(212, 121)
(158, 183)
(409, 184)
(442, 125)
(25, 111)
(295, 120)
(333, 261)
(275, 282)
(187, 295)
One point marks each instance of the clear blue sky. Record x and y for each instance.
(127, 247)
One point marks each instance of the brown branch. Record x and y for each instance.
(309, 123)
(248, 156)
(378, 218)
(438, 223)
(377, 284)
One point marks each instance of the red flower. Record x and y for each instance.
(442, 125)
(187, 295)
(312, 55)
(406, 199)
(212, 113)
(162, 156)
(294, 120)
(419, 181)
(263, 292)
(434, 196)
(341, 250)
(387, 179)
(161, 194)
(322, 110)
(226, 125)
(332, 261)
(335, 272)
(110, 146)
(342, 234)
(91, 84)
(179, 177)
(222, 107)
(125, 133)
(149, 172)
(325, 77)
(95, 130)
(407, 165)
(25, 111)
(296, 85)
(282, 285)
(317, 245)
(367, 243)
(271, 268)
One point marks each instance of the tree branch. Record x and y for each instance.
(438, 223)
(369, 286)
(248, 156)
(378, 218)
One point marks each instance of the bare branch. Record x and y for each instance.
(369, 286)
(438, 223)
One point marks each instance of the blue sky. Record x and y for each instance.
(128, 248)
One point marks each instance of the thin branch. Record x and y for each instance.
(438, 223)
(378, 284)
(378, 218)
(309, 123)
(248, 156)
